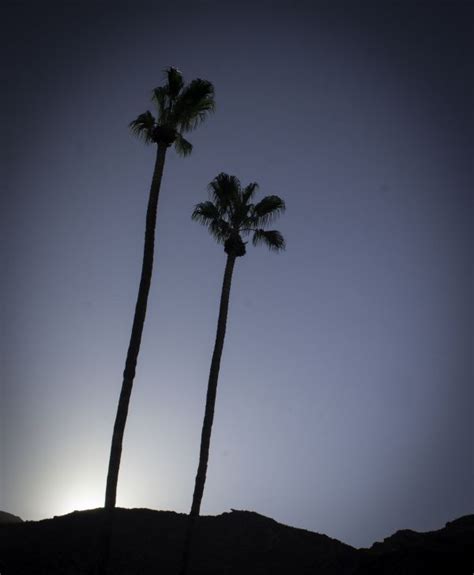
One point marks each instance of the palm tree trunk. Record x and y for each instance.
(132, 356)
(209, 412)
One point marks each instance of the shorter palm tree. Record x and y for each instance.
(230, 217)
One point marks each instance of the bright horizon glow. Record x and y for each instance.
(78, 500)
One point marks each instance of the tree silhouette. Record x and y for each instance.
(180, 109)
(229, 216)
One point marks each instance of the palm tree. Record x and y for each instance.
(180, 109)
(230, 216)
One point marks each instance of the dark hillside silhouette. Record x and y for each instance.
(9, 518)
(148, 542)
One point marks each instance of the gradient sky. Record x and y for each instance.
(345, 396)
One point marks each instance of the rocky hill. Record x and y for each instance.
(9, 518)
(448, 551)
(240, 542)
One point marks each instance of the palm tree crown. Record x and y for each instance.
(231, 216)
(180, 109)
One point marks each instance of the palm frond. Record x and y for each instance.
(204, 212)
(225, 191)
(161, 97)
(271, 238)
(249, 192)
(182, 146)
(194, 104)
(208, 214)
(267, 210)
(220, 229)
(143, 127)
(239, 213)
(175, 82)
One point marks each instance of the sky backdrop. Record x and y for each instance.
(345, 395)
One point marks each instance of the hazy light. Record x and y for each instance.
(78, 498)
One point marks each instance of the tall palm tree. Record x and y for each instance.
(180, 108)
(230, 217)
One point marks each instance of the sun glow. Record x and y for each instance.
(79, 500)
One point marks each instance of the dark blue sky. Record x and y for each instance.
(345, 397)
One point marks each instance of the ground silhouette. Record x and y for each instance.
(239, 542)
(9, 518)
